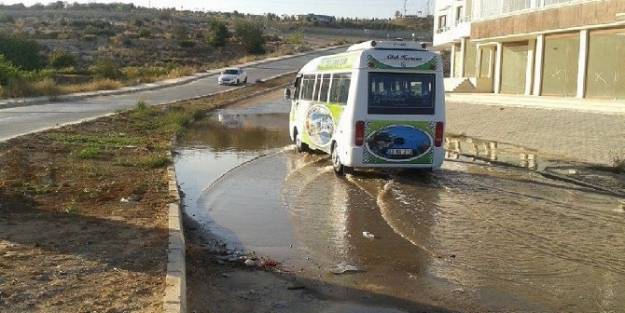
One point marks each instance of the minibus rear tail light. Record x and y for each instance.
(440, 133)
(360, 133)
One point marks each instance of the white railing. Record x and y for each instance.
(483, 9)
(486, 9)
(552, 2)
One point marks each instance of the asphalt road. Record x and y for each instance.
(23, 120)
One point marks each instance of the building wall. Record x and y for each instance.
(456, 28)
(550, 19)
(566, 48)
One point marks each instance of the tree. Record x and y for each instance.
(218, 35)
(22, 53)
(250, 35)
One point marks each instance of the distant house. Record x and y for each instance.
(322, 19)
(29, 30)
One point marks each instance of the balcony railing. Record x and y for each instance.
(485, 9)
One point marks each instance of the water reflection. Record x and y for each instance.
(474, 149)
(239, 131)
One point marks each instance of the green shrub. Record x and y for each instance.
(89, 152)
(106, 69)
(154, 161)
(144, 33)
(141, 105)
(21, 52)
(295, 38)
(218, 34)
(4, 18)
(251, 36)
(60, 59)
(7, 71)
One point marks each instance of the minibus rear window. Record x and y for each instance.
(401, 93)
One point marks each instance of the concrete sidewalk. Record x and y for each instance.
(542, 102)
(593, 135)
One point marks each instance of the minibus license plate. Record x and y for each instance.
(399, 152)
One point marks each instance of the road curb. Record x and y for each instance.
(20, 102)
(175, 299)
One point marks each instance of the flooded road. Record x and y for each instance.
(479, 235)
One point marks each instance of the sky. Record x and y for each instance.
(347, 8)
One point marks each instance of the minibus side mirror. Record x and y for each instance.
(287, 93)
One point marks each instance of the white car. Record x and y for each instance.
(232, 76)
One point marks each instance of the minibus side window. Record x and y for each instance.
(298, 87)
(317, 87)
(325, 87)
(308, 83)
(340, 88)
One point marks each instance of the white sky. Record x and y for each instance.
(351, 8)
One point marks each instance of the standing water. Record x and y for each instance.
(472, 236)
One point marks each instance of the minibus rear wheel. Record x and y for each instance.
(339, 168)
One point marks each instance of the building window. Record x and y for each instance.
(458, 15)
(442, 22)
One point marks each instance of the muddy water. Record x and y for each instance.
(471, 237)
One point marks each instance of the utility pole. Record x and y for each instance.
(405, 7)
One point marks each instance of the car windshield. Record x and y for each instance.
(233, 72)
(399, 93)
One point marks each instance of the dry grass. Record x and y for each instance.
(100, 84)
(22, 88)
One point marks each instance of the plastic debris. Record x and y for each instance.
(250, 262)
(269, 264)
(344, 268)
(124, 200)
(368, 235)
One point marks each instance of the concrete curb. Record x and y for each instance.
(175, 299)
(11, 103)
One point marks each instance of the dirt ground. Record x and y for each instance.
(83, 225)
(215, 284)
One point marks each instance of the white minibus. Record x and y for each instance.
(378, 105)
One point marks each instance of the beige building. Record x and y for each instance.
(567, 48)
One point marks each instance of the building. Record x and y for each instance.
(322, 19)
(567, 48)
